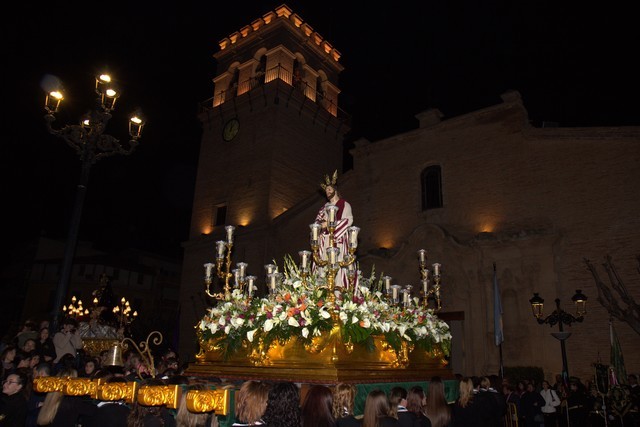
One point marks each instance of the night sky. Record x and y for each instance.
(573, 65)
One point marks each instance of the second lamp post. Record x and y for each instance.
(560, 317)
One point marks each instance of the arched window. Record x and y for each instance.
(431, 180)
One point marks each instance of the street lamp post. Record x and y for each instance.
(91, 144)
(560, 317)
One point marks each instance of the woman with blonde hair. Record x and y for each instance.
(61, 410)
(437, 409)
(186, 418)
(466, 411)
(251, 403)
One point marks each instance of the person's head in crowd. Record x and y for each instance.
(283, 405)
(22, 360)
(251, 401)
(344, 397)
(415, 399)
(66, 362)
(44, 334)
(8, 355)
(90, 367)
(29, 345)
(14, 383)
(186, 418)
(397, 397)
(69, 324)
(376, 406)
(317, 408)
(466, 392)
(35, 359)
(42, 369)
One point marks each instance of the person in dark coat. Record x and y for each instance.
(468, 410)
(109, 413)
(13, 404)
(531, 403)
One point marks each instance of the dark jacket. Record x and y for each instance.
(13, 410)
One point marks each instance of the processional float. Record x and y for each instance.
(309, 329)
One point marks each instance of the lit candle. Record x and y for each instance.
(332, 210)
(95, 300)
(406, 297)
(250, 280)
(387, 283)
(270, 268)
(422, 256)
(230, 229)
(315, 231)
(304, 259)
(272, 281)
(333, 255)
(208, 268)
(436, 269)
(221, 246)
(394, 292)
(353, 236)
(236, 278)
(242, 269)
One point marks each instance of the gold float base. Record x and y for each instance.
(327, 363)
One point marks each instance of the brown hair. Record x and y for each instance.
(251, 401)
(344, 396)
(437, 408)
(376, 406)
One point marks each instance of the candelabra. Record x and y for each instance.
(429, 290)
(224, 271)
(331, 259)
(91, 144)
(123, 313)
(561, 318)
(73, 310)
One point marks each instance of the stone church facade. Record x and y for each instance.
(476, 190)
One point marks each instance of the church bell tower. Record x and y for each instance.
(270, 132)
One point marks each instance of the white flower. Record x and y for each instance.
(293, 322)
(227, 329)
(343, 316)
(354, 319)
(250, 335)
(236, 322)
(366, 323)
(324, 313)
(268, 325)
(305, 332)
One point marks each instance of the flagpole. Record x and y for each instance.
(497, 322)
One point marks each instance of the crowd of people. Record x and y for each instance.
(33, 353)
(482, 401)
